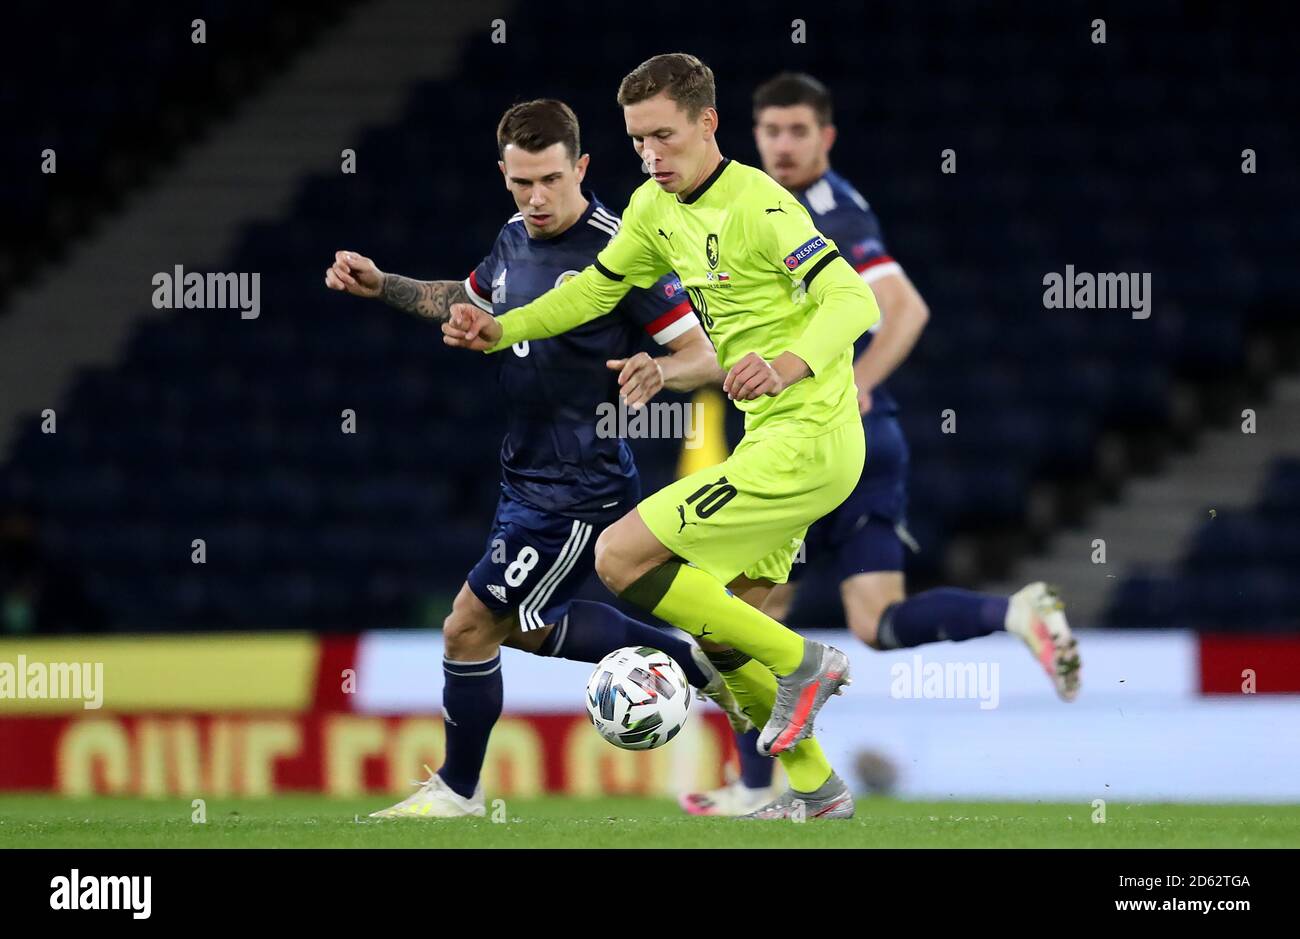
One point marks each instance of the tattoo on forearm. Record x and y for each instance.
(431, 299)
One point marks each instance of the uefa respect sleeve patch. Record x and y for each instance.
(804, 252)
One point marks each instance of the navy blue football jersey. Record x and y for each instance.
(552, 457)
(841, 213)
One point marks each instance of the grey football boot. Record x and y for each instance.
(831, 800)
(823, 672)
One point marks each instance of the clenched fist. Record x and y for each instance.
(752, 377)
(468, 327)
(355, 274)
(640, 378)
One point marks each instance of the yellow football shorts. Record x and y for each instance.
(749, 513)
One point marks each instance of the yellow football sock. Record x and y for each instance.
(695, 601)
(755, 688)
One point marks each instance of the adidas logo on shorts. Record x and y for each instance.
(498, 592)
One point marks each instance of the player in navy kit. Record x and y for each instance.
(864, 539)
(562, 481)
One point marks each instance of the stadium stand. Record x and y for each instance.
(210, 428)
(110, 135)
(1238, 574)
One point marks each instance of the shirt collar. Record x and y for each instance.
(703, 187)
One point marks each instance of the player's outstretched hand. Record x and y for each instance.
(640, 378)
(356, 274)
(468, 327)
(750, 378)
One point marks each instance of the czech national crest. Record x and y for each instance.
(711, 250)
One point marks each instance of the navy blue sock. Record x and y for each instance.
(755, 769)
(590, 631)
(471, 704)
(939, 614)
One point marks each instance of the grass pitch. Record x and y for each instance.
(317, 822)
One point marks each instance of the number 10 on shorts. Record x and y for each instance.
(711, 497)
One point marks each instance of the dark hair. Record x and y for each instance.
(791, 88)
(535, 125)
(686, 79)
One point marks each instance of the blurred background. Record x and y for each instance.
(128, 432)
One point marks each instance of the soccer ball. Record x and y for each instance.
(638, 698)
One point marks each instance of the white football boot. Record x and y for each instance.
(733, 799)
(435, 799)
(1037, 615)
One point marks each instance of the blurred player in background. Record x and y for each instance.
(562, 482)
(864, 538)
(783, 309)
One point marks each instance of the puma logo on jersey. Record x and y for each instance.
(777, 209)
(681, 510)
(497, 591)
(667, 236)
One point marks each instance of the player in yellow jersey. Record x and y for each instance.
(783, 310)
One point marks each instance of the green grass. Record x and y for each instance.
(316, 822)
